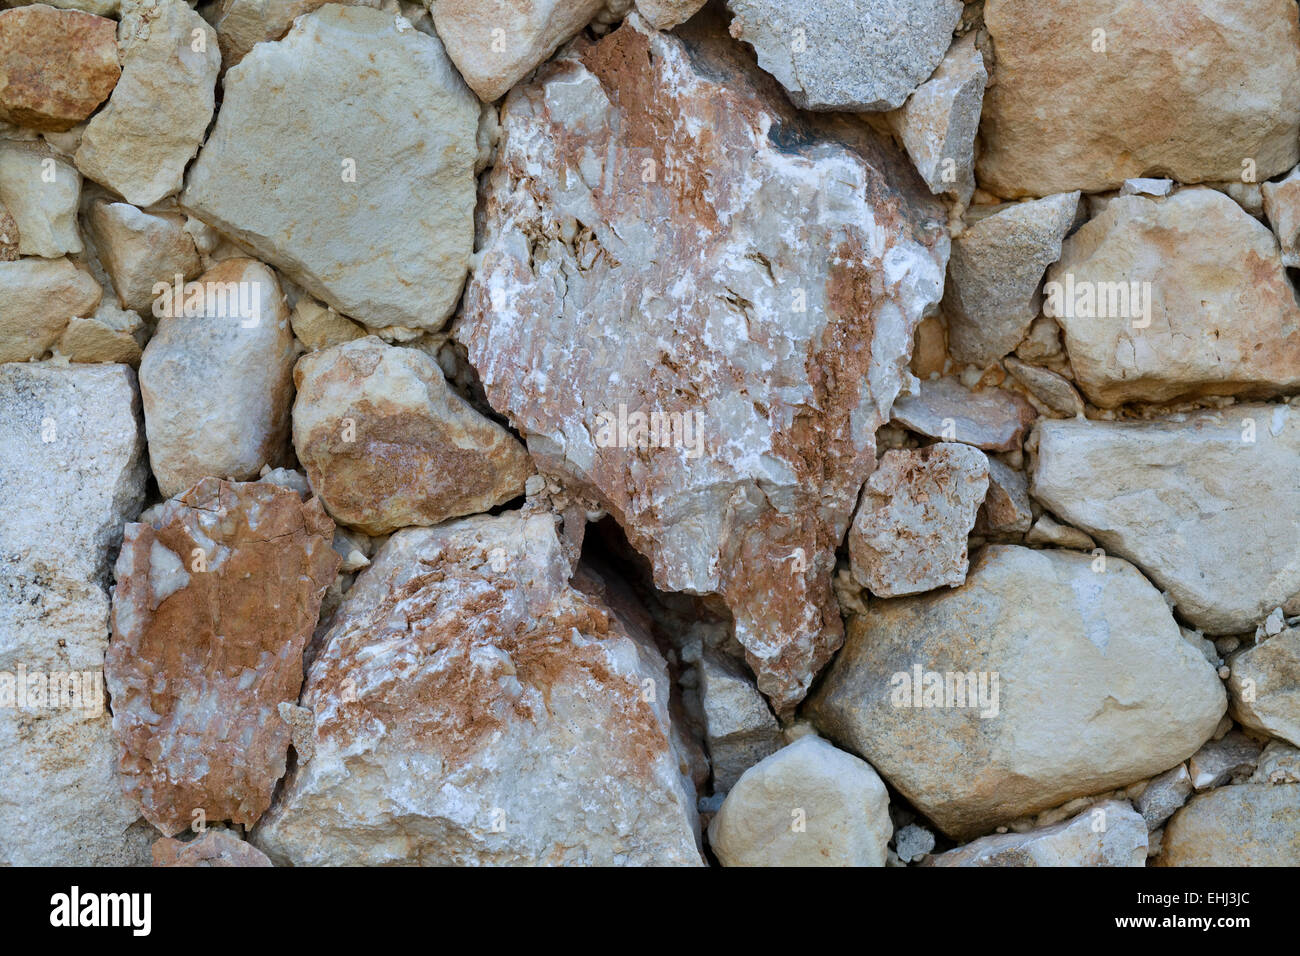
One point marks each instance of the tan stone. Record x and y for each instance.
(40, 191)
(1053, 390)
(37, 298)
(1264, 686)
(318, 327)
(139, 249)
(1006, 509)
(666, 14)
(215, 848)
(56, 66)
(1282, 207)
(1245, 825)
(1108, 834)
(242, 23)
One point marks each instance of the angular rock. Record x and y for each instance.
(1246, 825)
(666, 14)
(217, 595)
(997, 264)
(141, 142)
(215, 848)
(1164, 795)
(1107, 695)
(139, 249)
(1006, 508)
(939, 121)
(1211, 288)
(847, 54)
(666, 411)
(387, 444)
(1107, 834)
(1141, 186)
(1178, 497)
(318, 327)
(808, 804)
(9, 237)
(1219, 761)
(472, 706)
(242, 23)
(1264, 686)
(739, 727)
(40, 192)
(1279, 763)
(107, 336)
(1282, 207)
(1053, 390)
(992, 419)
(913, 843)
(56, 66)
(1063, 114)
(72, 469)
(37, 298)
(218, 385)
(380, 225)
(1048, 531)
(917, 509)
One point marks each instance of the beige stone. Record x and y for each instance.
(1246, 825)
(37, 298)
(1107, 834)
(40, 192)
(139, 249)
(1264, 686)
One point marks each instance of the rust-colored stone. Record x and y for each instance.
(219, 848)
(56, 66)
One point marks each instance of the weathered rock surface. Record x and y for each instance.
(1107, 834)
(1053, 390)
(37, 297)
(917, 509)
(739, 727)
(217, 385)
(666, 14)
(472, 706)
(1187, 90)
(1282, 207)
(992, 419)
(1231, 757)
(1278, 763)
(1264, 686)
(215, 848)
(809, 804)
(381, 225)
(1211, 288)
(56, 66)
(72, 469)
(387, 444)
(110, 335)
(1179, 496)
(1106, 695)
(1164, 795)
(139, 249)
(318, 327)
(1246, 825)
(767, 356)
(1048, 531)
(847, 54)
(140, 143)
(242, 23)
(217, 595)
(1006, 508)
(40, 192)
(997, 265)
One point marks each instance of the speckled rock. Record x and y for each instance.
(1246, 825)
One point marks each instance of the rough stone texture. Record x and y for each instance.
(1185, 89)
(997, 265)
(1233, 755)
(1108, 694)
(917, 509)
(56, 66)
(1108, 834)
(472, 706)
(1216, 290)
(139, 249)
(666, 14)
(1053, 390)
(139, 144)
(379, 225)
(107, 336)
(387, 444)
(847, 54)
(992, 419)
(1164, 795)
(216, 597)
(681, 296)
(808, 804)
(217, 386)
(9, 237)
(1049, 531)
(739, 727)
(72, 470)
(913, 843)
(37, 297)
(40, 192)
(242, 23)
(1282, 207)
(1264, 686)
(1179, 496)
(939, 121)
(1006, 508)
(318, 327)
(215, 848)
(1279, 763)
(1247, 825)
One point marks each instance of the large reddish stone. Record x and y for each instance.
(56, 66)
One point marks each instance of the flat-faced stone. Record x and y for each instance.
(56, 66)
(992, 419)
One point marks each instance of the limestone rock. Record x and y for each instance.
(387, 444)
(1282, 207)
(808, 804)
(72, 469)
(1178, 497)
(217, 385)
(56, 66)
(215, 848)
(37, 298)
(1048, 531)
(918, 507)
(40, 192)
(992, 419)
(1108, 834)
(318, 327)
(1233, 755)
(1053, 390)
(1064, 113)
(1279, 763)
(1167, 299)
(9, 237)
(380, 225)
(939, 121)
(216, 597)
(139, 249)
(638, 340)
(242, 23)
(472, 706)
(1264, 686)
(997, 265)
(1107, 695)
(739, 727)
(1006, 508)
(913, 843)
(666, 14)
(107, 336)
(140, 143)
(1164, 795)
(847, 54)
(1246, 825)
